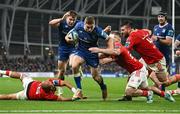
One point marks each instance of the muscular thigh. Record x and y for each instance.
(160, 69)
(62, 64)
(95, 71)
(77, 61)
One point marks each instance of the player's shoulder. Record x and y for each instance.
(135, 32)
(169, 26)
(156, 26)
(98, 29)
(79, 25)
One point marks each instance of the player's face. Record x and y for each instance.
(70, 20)
(125, 31)
(89, 27)
(161, 19)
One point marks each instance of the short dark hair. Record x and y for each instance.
(89, 20)
(163, 14)
(72, 13)
(128, 23)
(47, 87)
(115, 32)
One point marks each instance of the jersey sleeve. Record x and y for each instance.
(78, 25)
(60, 27)
(56, 82)
(129, 43)
(102, 34)
(170, 31)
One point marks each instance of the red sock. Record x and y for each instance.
(162, 94)
(8, 72)
(145, 93)
(172, 92)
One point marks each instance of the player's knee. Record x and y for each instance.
(129, 91)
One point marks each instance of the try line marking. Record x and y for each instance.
(90, 111)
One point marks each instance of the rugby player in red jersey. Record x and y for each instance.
(37, 90)
(140, 41)
(137, 84)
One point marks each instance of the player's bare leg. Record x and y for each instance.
(8, 96)
(96, 76)
(11, 74)
(76, 63)
(171, 80)
(166, 95)
(133, 92)
(62, 69)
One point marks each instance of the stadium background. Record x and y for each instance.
(28, 43)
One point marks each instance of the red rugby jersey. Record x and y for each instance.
(140, 41)
(36, 92)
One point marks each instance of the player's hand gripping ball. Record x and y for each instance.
(73, 36)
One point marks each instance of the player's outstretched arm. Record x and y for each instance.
(55, 22)
(106, 60)
(60, 98)
(105, 51)
(11, 74)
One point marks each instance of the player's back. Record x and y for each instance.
(141, 42)
(35, 92)
(126, 60)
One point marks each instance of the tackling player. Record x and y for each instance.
(37, 90)
(137, 84)
(140, 41)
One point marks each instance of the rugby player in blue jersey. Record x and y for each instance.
(163, 36)
(64, 25)
(88, 35)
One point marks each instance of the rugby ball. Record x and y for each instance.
(74, 36)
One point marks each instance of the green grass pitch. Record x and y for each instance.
(94, 104)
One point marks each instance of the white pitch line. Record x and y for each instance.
(89, 111)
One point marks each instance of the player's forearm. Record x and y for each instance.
(60, 98)
(105, 60)
(165, 42)
(109, 51)
(55, 22)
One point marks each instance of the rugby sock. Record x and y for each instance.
(144, 93)
(172, 92)
(5, 72)
(73, 90)
(101, 83)
(162, 94)
(77, 80)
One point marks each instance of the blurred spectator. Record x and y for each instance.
(22, 64)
